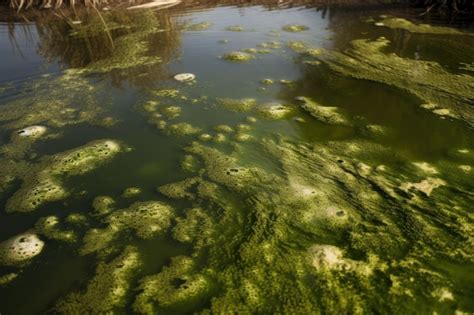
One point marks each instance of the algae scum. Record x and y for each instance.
(300, 165)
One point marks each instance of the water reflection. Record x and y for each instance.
(115, 42)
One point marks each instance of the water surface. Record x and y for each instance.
(356, 198)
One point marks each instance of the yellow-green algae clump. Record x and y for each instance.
(43, 183)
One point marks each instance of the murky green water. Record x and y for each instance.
(331, 171)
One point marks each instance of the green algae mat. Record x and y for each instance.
(237, 160)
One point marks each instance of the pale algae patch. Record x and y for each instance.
(20, 249)
(428, 80)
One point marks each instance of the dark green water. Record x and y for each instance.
(358, 200)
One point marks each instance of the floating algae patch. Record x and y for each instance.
(131, 192)
(196, 27)
(248, 212)
(294, 28)
(325, 114)
(55, 102)
(20, 249)
(43, 182)
(131, 48)
(297, 46)
(129, 51)
(176, 285)
(428, 80)
(107, 290)
(147, 218)
(237, 56)
(22, 141)
(275, 110)
(401, 23)
(182, 129)
(50, 227)
(237, 105)
(323, 190)
(235, 28)
(256, 51)
(103, 205)
(171, 111)
(223, 128)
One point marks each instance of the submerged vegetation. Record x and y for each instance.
(281, 181)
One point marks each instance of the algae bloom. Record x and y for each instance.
(322, 169)
(295, 28)
(237, 56)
